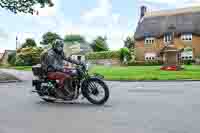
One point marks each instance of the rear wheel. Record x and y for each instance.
(96, 91)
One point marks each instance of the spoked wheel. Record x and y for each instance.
(97, 91)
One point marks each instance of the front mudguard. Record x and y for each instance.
(99, 76)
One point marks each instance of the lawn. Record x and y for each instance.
(24, 68)
(147, 73)
(191, 72)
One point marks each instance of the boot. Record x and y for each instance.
(68, 87)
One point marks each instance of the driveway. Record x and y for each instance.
(137, 107)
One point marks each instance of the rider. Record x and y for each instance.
(52, 62)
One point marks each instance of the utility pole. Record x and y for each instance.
(16, 42)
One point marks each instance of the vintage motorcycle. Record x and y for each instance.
(92, 87)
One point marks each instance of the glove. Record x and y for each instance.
(82, 63)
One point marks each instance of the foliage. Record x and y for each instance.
(28, 56)
(103, 55)
(29, 43)
(187, 49)
(125, 55)
(25, 6)
(99, 44)
(49, 37)
(74, 38)
(129, 42)
(12, 58)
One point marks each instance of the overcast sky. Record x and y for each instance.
(114, 18)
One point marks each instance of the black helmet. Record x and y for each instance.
(58, 45)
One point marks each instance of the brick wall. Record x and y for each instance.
(196, 46)
(141, 48)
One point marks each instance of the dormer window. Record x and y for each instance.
(149, 40)
(167, 38)
(186, 37)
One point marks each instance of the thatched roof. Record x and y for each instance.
(157, 24)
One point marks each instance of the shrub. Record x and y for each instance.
(103, 55)
(28, 56)
(146, 63)
(12, 58)
(187, 62)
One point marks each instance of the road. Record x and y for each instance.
(134, 107)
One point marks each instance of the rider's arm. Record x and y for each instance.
(69, 59)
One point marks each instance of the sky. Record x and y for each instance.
(90, 18)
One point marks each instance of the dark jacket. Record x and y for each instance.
(52, 61)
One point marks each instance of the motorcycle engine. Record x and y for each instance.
(48, 88)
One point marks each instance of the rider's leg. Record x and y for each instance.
(58, 76)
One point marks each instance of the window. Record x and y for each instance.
(187, 55)
(186, 37)
(149, 40)
(150, 56)
(167, 38)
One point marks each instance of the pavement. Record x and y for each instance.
(5, 77)
(134, 107)
(21, 75)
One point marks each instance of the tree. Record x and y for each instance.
(49, 37)
(125, 55)
(74, 38)
(25, 6)
(99, 44)
(129, 43)
(29, 43)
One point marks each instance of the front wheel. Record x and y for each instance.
(96, 91)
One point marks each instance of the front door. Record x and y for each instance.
(171, 58)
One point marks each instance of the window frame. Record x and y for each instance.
(186, 37)
(167, 38)
(149, 40)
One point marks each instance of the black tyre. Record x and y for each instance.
(89, 94)
(48, 100)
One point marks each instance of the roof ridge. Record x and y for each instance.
(172, 12)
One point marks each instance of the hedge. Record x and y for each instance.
(103, 55)
(146, 63)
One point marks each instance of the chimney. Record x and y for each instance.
(143, 10)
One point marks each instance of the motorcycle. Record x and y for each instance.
(92, 87)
